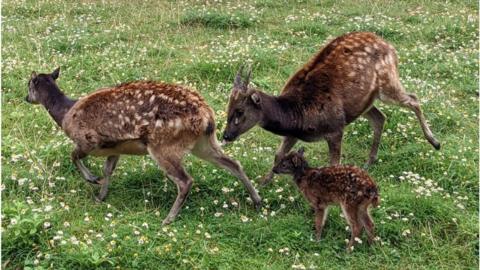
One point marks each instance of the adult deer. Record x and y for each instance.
(339, 84)
(163, 120)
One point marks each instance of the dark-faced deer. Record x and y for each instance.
(163, 120)
(348, 186)
(338, 85)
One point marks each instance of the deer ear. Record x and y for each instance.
(255, 98)
(296, 161)
(301, 151)
(56, 73)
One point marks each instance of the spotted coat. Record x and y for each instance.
(152, 112)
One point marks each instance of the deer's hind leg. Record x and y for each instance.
(108, 168)
(170, 161)
(377, 120)
(351, 213)
(367, 223)
(207, 148)
(77, 155)
(395, 93)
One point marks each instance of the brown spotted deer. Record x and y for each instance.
(334, 88)
(163, 120)
(348, 186)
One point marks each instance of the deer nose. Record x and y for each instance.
(227, 136)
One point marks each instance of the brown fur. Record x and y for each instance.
(155, 113)
(163, 120)
(348, 186)
(338, 85)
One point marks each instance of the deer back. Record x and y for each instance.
(350, 68)
(138, 110)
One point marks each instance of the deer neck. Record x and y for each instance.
(280, 115)
(57, 105)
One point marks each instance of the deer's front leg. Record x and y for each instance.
(334, 141)
(77, 155)
(285, 147)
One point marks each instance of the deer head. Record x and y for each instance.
(39, 86)
(244, 107)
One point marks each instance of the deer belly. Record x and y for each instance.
(131, 147)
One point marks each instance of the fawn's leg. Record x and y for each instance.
(367, 223)
(351, 214)
(334, 141)
(172, 166)
(108, 169)
(208, 149)
(77, 155)
(377, 120)
(320, 217)
(285, 147)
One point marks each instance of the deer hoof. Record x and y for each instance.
(266, 180)
(370, 162)
(167, 221)
(258, 205)
(99, 199)
(95, 180)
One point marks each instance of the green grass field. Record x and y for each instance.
(428, 218)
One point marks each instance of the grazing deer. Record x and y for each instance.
(137, 118)
(348, 186)
(338, 85)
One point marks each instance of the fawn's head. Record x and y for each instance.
(243, 111)
(291, 163)
(40, 86)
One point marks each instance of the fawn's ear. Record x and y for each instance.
(56, 73)
(296, 162)
(301, 151)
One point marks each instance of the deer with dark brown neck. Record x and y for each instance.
(163, 120)
(338, 85)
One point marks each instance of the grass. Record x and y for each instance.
(428, 218)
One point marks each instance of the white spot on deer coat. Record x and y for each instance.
(178, 123)
(152, 98)
(159, 123)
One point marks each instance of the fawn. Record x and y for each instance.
(338, 85)
(348, 186)
(163, 120)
